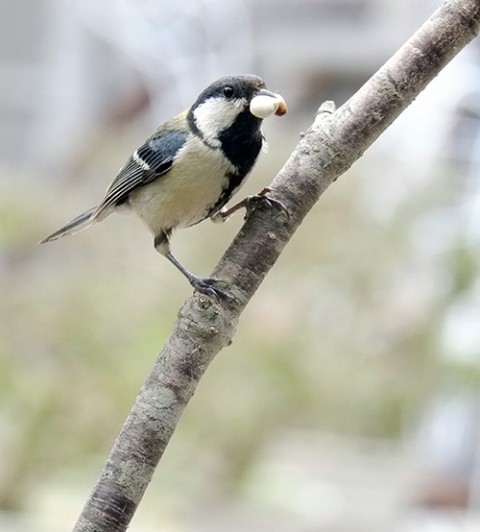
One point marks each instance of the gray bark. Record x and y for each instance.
(205, 326)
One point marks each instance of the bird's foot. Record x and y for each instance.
(261, 200)
(209, 287)
(250, 203)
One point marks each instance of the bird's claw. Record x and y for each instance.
(261, 200)
(207, 287)
(250, 203)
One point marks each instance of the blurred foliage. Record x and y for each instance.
(343, 335)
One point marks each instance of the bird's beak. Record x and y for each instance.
(266, 103)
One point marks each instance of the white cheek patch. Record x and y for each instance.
(217, 114)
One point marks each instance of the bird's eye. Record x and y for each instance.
(228, 92)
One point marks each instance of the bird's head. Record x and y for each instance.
(233, 100)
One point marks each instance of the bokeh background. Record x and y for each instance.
(349, 400)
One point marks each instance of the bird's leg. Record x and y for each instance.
(250, 203)
(203, 285)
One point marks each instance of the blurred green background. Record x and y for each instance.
(349, 397)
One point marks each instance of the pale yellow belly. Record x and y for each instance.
(184, 195)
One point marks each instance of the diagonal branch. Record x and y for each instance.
(205, 326)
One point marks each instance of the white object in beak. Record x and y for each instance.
(263, 106)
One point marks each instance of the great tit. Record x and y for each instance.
(191, 166)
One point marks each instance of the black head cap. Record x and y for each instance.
(232, 87)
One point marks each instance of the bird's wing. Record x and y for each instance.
(150, 161)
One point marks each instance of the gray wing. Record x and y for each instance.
(150, 161)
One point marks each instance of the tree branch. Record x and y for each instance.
(205, 326)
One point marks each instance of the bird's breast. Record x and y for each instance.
(186, 194)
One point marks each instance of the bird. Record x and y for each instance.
(191, 166)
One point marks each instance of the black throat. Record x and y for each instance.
(242, 142)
